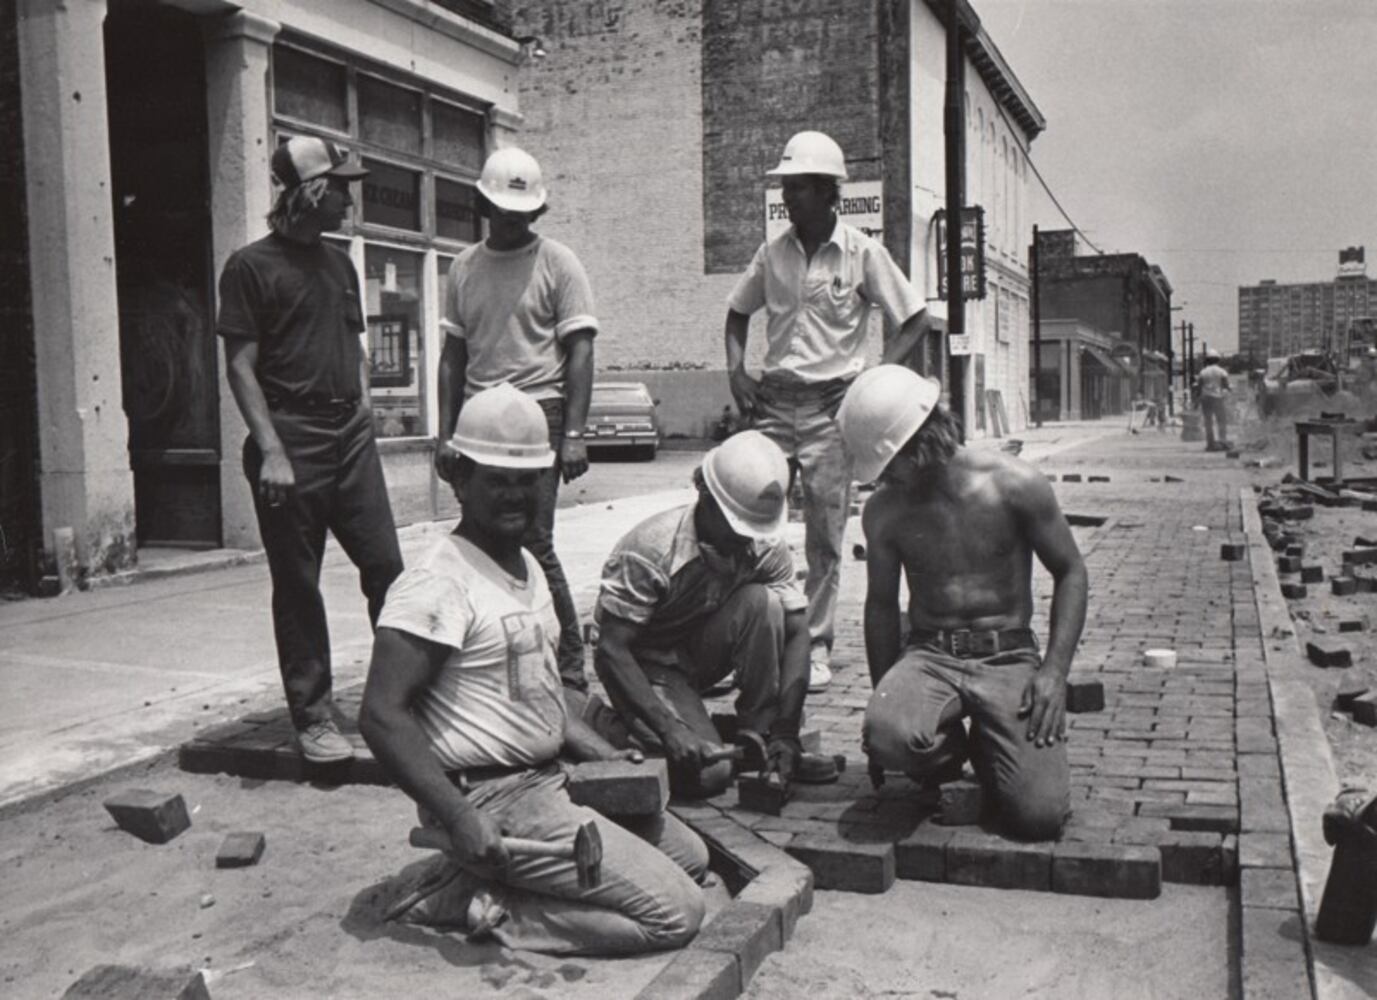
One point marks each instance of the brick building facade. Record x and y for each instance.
(656, 123)
(1277, 319)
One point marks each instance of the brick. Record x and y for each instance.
(151, 816)
(1328, 654)
(1288, 564)
(786, 886)
(1272, 887)
(1232, 551)
(1084, 696)
(1351, 687)
(1098, 479)
(1231, 453)
(922, 855)
(848, 867)
(1300, 512)
(1312, 573)
(959, 803)
(750, 931)
(1343, 586)
(1273, 963)
(1193, 857)
(1219, 819)
(1365, 709)
(1261, 806)
(1360, 557)
(1071, 477)
(1122, 871)
(240, 850)
(978, 858)
(128, 982)
(696, 975)
(620, 787)
(1264, 850)
(1293, 591)
(1352, 625)
(762, 793)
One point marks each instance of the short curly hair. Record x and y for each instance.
(937, 440)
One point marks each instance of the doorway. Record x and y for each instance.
(156, 91)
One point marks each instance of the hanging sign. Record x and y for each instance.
(972, 252)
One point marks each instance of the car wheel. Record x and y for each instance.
(646, 453)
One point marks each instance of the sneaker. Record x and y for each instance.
(819, 669)
(323, 743)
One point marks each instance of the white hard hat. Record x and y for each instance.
(1211, 354)
(811, 153)
(748, 476)
(884, 407)
(503, 426)
(512, 180)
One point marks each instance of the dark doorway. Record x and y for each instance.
(155, 74)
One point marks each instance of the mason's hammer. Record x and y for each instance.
(585, 850)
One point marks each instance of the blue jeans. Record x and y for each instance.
(914, 724)
(648, 898)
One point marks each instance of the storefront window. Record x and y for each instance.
(310, 89)
(456, 211)
(458, 135)
(392, 288)
(392, 196)
(389, 116)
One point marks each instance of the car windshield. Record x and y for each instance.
(620, 394)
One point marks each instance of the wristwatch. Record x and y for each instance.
(574, 435)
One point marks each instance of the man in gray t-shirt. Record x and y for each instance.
(519, 309)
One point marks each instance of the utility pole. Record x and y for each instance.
(1185, 383)
(959, 18)
(1190, 362)
(1037, 333)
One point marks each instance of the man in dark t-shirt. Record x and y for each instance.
(291, 316)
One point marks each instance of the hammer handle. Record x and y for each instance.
(438, 840)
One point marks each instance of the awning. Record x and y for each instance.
(1110, 366)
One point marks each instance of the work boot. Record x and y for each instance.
(323, 743)
(819, 668)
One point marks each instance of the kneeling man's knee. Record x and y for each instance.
(1033, 818)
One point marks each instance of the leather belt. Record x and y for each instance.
(468, 776)
(338, 409)
(965, 643)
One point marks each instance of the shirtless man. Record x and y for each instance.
(963, 526)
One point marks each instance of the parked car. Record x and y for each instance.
(621, 417)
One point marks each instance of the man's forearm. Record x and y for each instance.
(253, 406)
(578, 384)
(910, 335)
(881, 638)
(405, 753)
(618, 669)
(453, 371)
(793, 680)
(734, 337)
(1069, 599)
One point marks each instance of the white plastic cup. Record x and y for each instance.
(1159, 659)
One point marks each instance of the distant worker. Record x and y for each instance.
(962, 525)
(817, 282)
(1214, 404)
(291, 317)
(465, 709)
(519, 309)
(703, 592)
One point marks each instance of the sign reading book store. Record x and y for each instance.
(972, 252)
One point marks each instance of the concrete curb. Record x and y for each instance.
(1310, 785)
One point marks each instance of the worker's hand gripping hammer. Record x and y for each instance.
(585, 850)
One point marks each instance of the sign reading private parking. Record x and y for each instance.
(861, 206)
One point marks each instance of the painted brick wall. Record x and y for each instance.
(18, 415)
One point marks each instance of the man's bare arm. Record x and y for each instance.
(793, 680)
(910, 335)
(403, 665)
(453, 372)
(276, 479)
(882, 568)
(578, 391)
(743, 387)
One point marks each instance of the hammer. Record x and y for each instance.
(585, 850)
(749, 751)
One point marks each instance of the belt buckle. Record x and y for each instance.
(960, 642)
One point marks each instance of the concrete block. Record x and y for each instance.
(1122, 871)
(1264, 850)
(621, 788)
(1301, 512)
(1084, 696)
(846, 866)
(1271, 887)
(128, 982)
(750, 931)
(1231, 453)
(1312, 573)
(1172, 479)
(1328, 654)
(155, 817)
(240, 850)
(1343, 586)
(1351, 687)
(978, 858)
(922, 855)
(1215, 818)
(1294, 548)
(1367, 584)
(789, 887)
(696, 975)
(1071, 477)
(959, 803)
(1232, 551)
(1288, 564)
(1098, 479)
(762, 793)
(1365, 709)
(1273, 964)
(1293, 591)
(1352, 625)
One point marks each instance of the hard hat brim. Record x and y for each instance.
(531, 201)
(764, 530)
(795, 170)
(487, 455)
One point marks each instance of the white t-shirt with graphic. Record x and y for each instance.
(497, 700)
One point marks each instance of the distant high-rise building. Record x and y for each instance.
(1276, 320)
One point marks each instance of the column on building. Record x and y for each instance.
(238, 54)
(86, 483)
